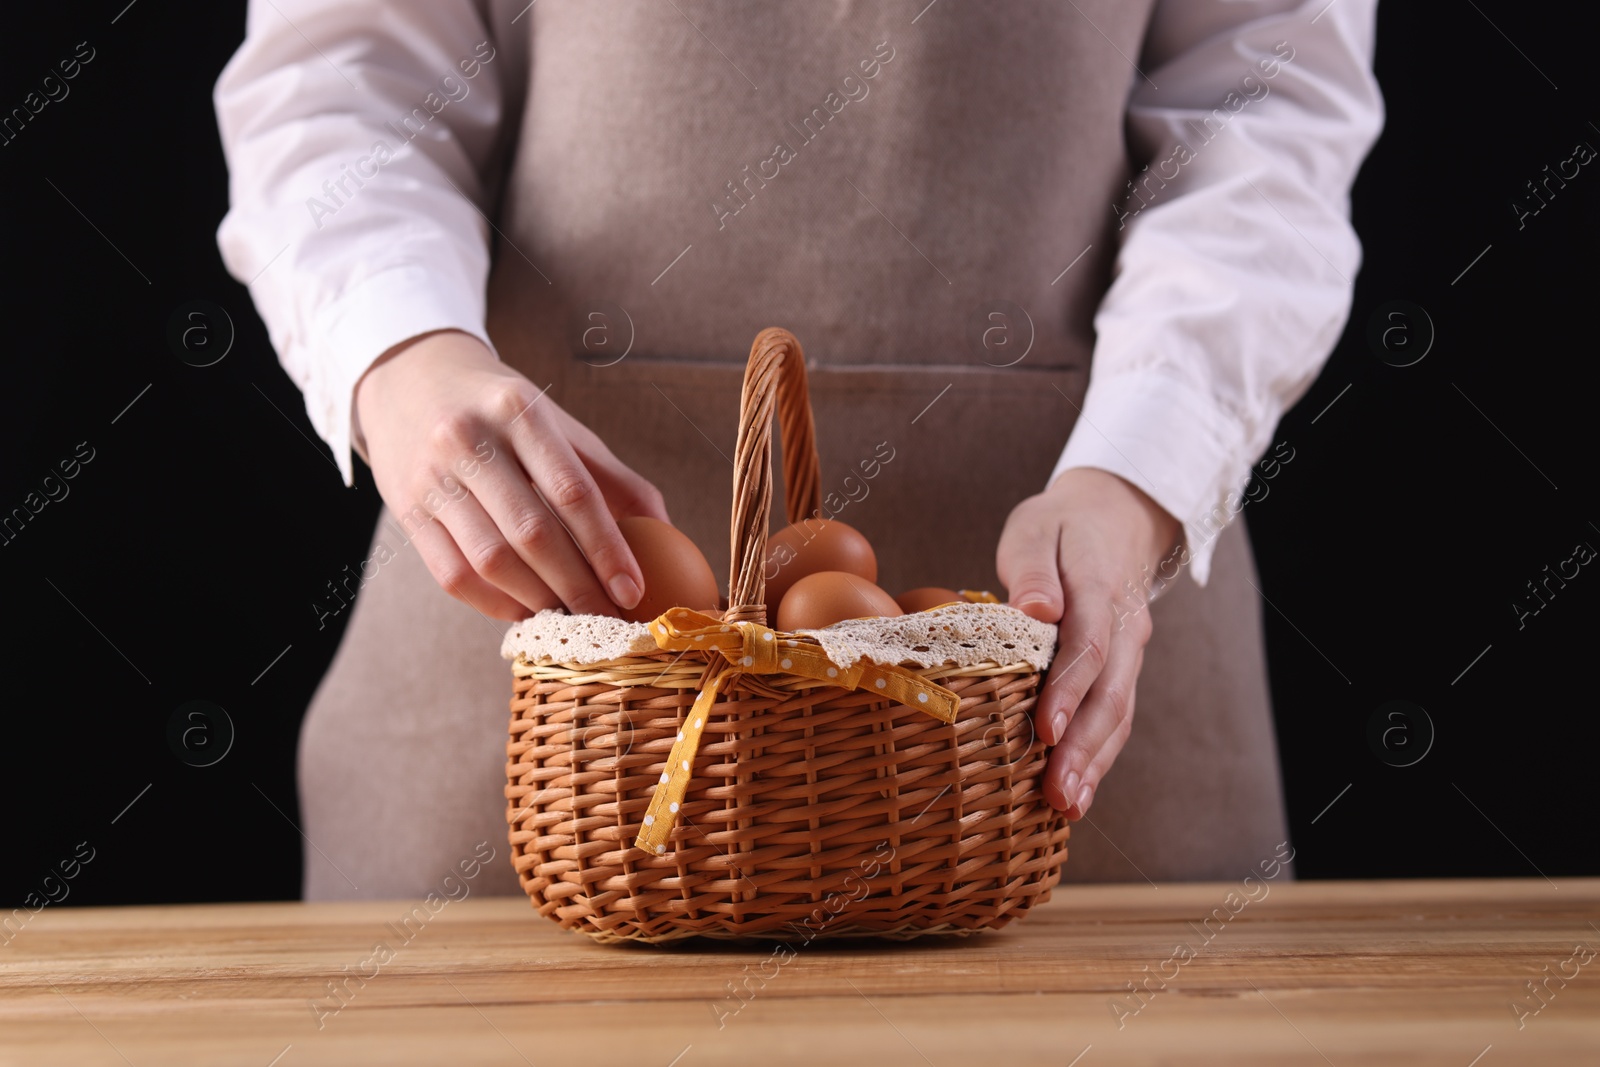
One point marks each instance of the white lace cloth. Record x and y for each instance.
(961, 634)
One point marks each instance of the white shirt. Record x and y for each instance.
(1231, 286)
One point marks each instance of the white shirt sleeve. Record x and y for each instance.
(1237, 263)
(356, 136)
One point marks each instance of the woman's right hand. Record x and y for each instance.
(526, 497)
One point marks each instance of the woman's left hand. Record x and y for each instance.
(1080, 554)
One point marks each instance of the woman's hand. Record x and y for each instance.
(526, 497)
(1066, 555)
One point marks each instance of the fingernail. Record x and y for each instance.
(1035, 608)
(1085, 798)
(1071, 789)
(625, 591)
(1058, 727)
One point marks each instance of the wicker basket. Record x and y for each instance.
(809, 809)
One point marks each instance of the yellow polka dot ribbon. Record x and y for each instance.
(750, 648)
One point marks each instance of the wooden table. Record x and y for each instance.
(1310, 973)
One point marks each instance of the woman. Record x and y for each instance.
(515, 255)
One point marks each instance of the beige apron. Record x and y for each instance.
(906, 197)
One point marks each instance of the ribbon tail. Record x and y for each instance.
(759, 650)
(662, 814)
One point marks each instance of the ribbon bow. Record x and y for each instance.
(750, 648)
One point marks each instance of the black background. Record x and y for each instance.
(1392, 547)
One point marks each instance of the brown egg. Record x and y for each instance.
(812, 546)
(928, 596)
(822, 599)
(676, 574)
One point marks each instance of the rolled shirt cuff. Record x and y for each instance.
(1171, 441)
(350, 333)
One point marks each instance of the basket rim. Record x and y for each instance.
(963, 634)
(521, 667)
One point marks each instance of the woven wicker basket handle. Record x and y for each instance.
(775, 378)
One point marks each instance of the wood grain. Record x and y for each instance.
(1309, 973)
